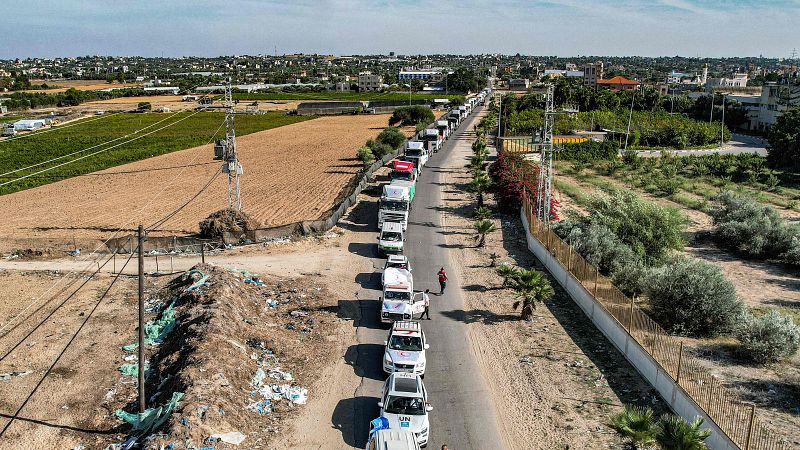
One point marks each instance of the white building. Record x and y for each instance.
(433, 74)
(764, 110)
(29, 124)
(738, 80)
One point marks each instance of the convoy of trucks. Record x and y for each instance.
(404, 424)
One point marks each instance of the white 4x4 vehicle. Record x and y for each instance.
(396, 266)
(405, 349)
(404, 403)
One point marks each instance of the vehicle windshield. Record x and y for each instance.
(391, 236)
(393, 295)
(406, 176)
(406, 343)
(397, 265)
(413, 152)
(413, 406)
(394, 205)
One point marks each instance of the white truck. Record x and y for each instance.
(432, 140)
(9, 130)
(391, 238)
(394, 205)
(399, 301)
(443, 127)
(455, 118)
(416, 153)
(462, 110)
(404, 403)
(405, 349)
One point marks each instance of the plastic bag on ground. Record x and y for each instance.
(233, 437)
(153, 417)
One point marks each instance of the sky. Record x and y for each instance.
(704, 28)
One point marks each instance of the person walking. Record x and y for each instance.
(442, 280)
(427, 300)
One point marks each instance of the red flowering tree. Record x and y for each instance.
(513, 175)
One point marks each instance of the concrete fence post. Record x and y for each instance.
(750, 424)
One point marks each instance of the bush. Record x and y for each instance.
(380, 149)
(412, 115)
(144, 106)
(366, 156)
(769, 338)
(226, 220)
(678, 434)
(512, 176)
(689, 296)
(392, 137)
(590, 151)
(649, 229)
(637, 425)
(753, 229)
(784, 141)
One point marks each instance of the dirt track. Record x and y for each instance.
(291, 173)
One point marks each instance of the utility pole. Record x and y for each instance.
(142, 401)
(231, 164)
(630, 116)
(722, 125)
(499, 118)
(711, 115)
(546, 159)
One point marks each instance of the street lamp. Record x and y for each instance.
(409, 93)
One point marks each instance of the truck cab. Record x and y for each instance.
(394, 205)
(404, 403)
(405, 349)
(462, 110)
(388, 439)
(416, 153)
(433, 142)
(391, 238)
(455, 118)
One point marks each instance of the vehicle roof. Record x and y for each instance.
(407, 325)
(441, 123)
(396, 439)
(397, 259)
(392, 226)
(414, 145)
(402, 165)
(431, 131)
(407, 383)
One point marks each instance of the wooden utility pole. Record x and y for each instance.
(142, 402)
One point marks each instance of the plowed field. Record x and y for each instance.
(291, 173)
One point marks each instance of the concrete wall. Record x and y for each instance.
(677, 399)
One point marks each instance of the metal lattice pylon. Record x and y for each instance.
(545, 182)
(231, 164)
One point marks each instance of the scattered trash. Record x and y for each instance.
(526, 360)
(201, 410)
(131, 358)
(110, 394)
(79, 447)
(153, 417)
(233, 437)
(290, 326)
(298, 313)
(261, 407)
(156, 330)
(198, 283)
(132, 369)
(258, 378)
(272, 303)
(10, 375)
(278, 374)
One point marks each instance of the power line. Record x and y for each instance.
(77, 122)
(86, 149)
(64, 350)
(100, 151)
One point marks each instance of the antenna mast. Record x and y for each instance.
(546, 160)
(231, 164)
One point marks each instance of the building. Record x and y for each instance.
(618, 83)
(367, 81)
(592, 72)
(519, 84)
(764, 110)
(434, 74)
(163, 90)
(29, 124)
(739, 80)
(341, 87)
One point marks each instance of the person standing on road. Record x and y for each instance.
(427, 301)
(442, 280)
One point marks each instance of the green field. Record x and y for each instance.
(344, 96)
(191, 132)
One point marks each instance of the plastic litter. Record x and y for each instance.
(258, 378)
(10, 375)
(233, 437)
(153, 417)
(279, 374)
(156, 330)
(201, 410)
(261, 407)
(298, 313)
(197, 284)
(132, 369)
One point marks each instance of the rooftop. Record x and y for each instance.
(618, 80)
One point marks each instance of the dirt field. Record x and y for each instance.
(291, 173)
(81, 85)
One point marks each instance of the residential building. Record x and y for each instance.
(739, 80)
(434, 74)
(519, 84)
(618, 83)
(592, 72)
(367, 81)
(764, 110)
(341, 87)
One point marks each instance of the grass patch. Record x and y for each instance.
(794, 313)
(345, 96)
(190, 132)
(572, 191)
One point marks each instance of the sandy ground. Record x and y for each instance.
(291, 173)
(760, 284)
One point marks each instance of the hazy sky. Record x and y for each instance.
(558, 27)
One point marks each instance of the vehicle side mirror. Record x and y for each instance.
(385, 342)
(428, 408)
(427, 346)
(380, 404)
(380, 299)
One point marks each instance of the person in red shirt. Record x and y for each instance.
(442, 280)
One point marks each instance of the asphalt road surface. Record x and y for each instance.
(463, 416)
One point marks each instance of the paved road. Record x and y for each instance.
(463, 417)
(740, 143)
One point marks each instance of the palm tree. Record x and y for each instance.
(637, 425)
(507, 272)
(479, 185)
(482, 213)
(677, 434)
(531, 286)
(483, 227)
